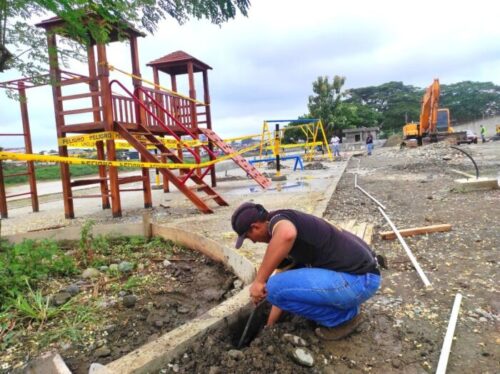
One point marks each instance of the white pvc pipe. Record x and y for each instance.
(370, 196)
(355, 180)
(407, 249)
(448, 339)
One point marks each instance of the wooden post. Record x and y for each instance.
(146, 180)
(206, 97)
(3, 197)
(192, 106)
(146, 185)
(146, 225)
(55, 78)
(109, 126)
(103, 175)
(175, 101)
(94, 88)
(159, 97)
(27, 145)
(166, 187)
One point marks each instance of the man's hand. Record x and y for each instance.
(258, 292)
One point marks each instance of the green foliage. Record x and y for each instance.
(85, 245)
(35, 307)
(7, 325)
(336, 109)
(30, 261)
(324, 103)
(45, 172)
(396, 103)
(72, 325)
(23, 46)
(469, 101)
(133, 282)
(49, 172)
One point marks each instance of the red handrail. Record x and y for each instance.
(177, 122)
(143, 106)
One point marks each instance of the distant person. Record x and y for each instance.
(335, 145)
(483, 134)
(333, 273)
(369, 143)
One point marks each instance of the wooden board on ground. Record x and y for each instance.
(389, 235)
(363, 230)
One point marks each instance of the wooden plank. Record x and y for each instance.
(389, 235)
(360, 230)
(80, 111)
(349, 225)
(368, 234)
(84, 182)
(79, 96)
(73, 81)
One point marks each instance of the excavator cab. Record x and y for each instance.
(443, 121)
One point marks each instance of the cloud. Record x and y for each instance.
(264, 65)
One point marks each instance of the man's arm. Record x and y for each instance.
(278, 248)
(274, 315)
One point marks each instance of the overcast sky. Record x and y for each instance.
(264, 65)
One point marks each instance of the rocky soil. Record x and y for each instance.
(130, 303)
(406, 323)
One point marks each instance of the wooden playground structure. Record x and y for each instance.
(142, 116)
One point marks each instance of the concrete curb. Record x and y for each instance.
(152, 356)
(73, 232)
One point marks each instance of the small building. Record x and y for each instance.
(358, 135)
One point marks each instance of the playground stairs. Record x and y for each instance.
(238, 159)
(199, 193)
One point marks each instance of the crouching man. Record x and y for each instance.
(334, 271)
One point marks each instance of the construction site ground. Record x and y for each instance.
(406, 323)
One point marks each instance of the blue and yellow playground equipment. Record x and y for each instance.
(315, 138)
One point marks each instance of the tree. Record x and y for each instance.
(23, 46)
(394, 103)
(397, 103)
(469, 101)
(325, 101)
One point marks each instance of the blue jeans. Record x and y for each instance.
(336, 150)
(369, 148)
(327, 297)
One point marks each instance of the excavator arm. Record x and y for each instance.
(429, 109)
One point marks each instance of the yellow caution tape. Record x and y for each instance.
(111, 67)
(133, 164)
(88, 141)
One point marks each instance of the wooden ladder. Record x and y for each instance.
(192, 192)
(238, 159)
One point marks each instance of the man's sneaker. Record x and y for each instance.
(340, 331)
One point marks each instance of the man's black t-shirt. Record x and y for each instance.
(321, 245)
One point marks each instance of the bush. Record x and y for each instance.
(30, 261)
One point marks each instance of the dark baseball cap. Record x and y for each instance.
(243, 217)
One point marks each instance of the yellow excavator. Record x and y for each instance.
(434, 123)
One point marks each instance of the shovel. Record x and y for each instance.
(247, 326)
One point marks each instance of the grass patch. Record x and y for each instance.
(33, 272)
(48, 172)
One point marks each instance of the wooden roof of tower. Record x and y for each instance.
(58, 22)
(175, 63)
